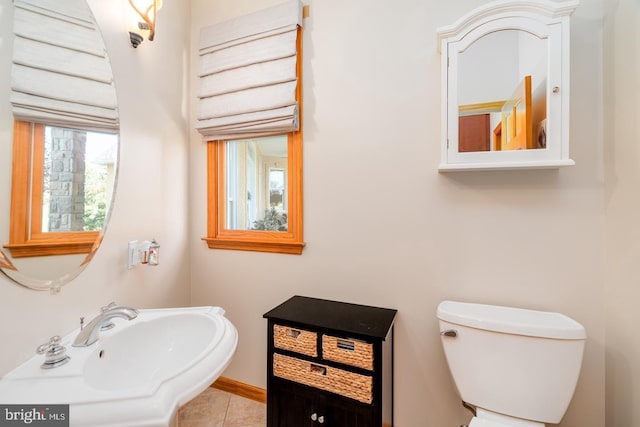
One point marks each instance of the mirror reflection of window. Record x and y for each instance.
(64, 178)
(256, 184)
(78, 178)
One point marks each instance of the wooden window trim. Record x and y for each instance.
(26, 238)
(219, 237)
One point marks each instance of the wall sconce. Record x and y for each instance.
(141, 19)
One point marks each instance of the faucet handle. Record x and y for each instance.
(108, 325)
(108, 306)
(53, 342)
(55, 354)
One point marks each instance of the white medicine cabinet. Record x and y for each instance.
(505, 87)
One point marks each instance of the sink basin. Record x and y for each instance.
(146, 353)
(137, 374)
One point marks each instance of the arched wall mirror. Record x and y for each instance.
(505, 87)
(58, 140)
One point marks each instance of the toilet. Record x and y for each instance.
(517, 367)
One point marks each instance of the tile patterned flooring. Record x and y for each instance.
(217, 408)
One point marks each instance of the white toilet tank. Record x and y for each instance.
(516, 362)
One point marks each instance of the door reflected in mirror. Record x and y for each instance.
(256, 184)
(502, 93)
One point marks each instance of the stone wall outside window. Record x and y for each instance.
(64, 180)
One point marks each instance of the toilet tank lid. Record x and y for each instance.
(510, 320)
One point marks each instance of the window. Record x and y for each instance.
(250, 99)
(255, 194)
(62, 182)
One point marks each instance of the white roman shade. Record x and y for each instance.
(61, 73)
(248, 74)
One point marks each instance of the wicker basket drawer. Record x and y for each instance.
(344, 383)
(350, 352)
(298, 340)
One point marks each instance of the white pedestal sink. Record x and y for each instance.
(137, 374)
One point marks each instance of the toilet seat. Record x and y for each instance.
(485, 418)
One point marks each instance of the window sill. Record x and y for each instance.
(66, 245)
(292, 248)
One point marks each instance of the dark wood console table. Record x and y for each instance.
(329, 363)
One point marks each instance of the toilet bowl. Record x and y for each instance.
(518, 367)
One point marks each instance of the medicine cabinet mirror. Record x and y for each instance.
(505, 87)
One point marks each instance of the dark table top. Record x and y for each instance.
(354, 319)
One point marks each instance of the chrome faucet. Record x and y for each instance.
(89, 334)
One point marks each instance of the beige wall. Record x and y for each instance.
(383, 227)
(622, 155)
(150, 202)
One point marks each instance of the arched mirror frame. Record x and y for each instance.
(547, 20)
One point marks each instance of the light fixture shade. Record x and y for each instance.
(140, 17)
